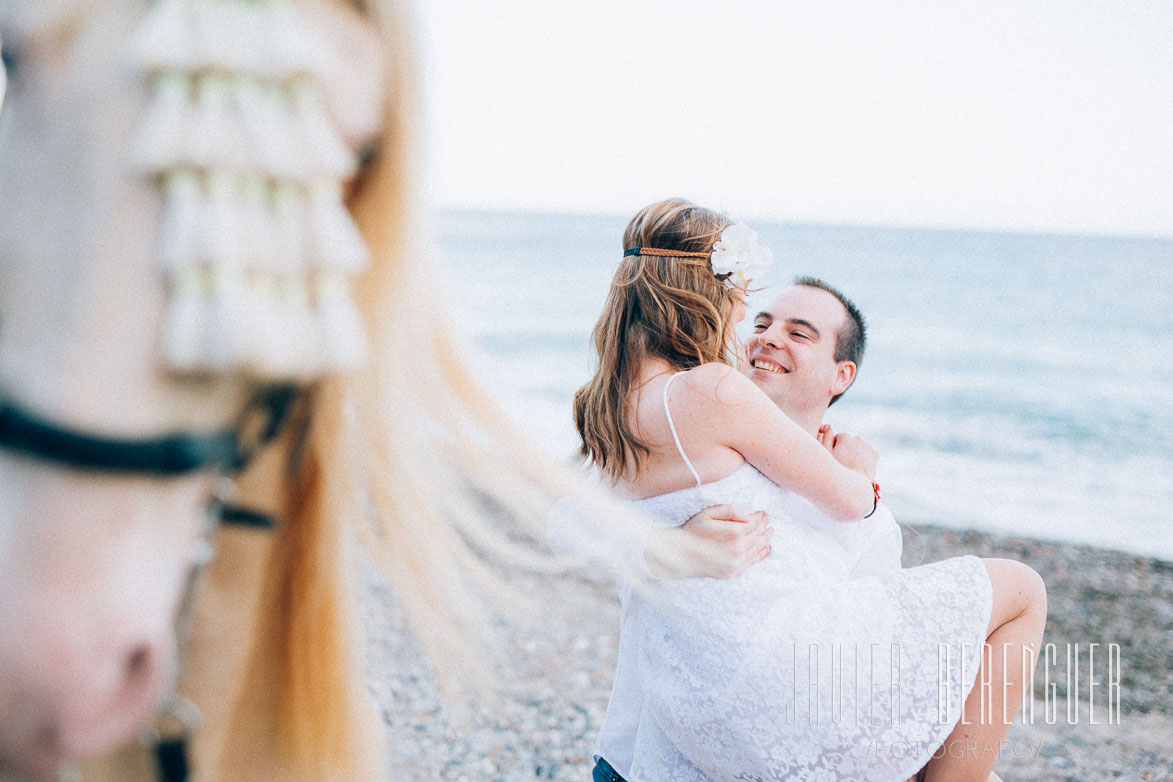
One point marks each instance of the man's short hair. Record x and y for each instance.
(853, 337)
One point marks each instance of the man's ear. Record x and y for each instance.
(844, 377)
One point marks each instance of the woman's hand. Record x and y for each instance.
(851, 451)
(718, 542)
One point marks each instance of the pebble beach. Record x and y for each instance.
(556, 676)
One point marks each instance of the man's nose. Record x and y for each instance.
(771, 337)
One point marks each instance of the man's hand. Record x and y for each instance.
(852, 452)
(718, 542)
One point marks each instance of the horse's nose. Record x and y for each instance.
(75, 706)
(122, 700)
(92, 573)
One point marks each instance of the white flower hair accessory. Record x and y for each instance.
(738, 254)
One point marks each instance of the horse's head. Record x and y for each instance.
(94, 562)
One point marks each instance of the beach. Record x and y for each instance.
(1008, 385)
(557, 675)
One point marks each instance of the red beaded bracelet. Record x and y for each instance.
(876, 502)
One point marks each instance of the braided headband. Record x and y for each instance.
(672, 253)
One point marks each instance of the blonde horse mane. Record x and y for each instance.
(402, 455)
(435, 453)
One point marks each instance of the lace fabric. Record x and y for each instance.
(808, 667)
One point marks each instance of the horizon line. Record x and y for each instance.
(821, 223)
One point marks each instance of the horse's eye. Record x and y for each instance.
(11, 61)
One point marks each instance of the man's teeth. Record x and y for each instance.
(768, 367)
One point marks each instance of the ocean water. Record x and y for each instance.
(1013, 383)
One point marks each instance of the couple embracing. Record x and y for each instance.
(821, 659)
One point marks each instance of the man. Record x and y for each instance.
(806, 348)
(804, 352)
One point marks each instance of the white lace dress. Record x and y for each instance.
(809, 666)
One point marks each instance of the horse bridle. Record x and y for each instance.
(225, 452)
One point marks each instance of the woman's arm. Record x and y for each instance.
(717, 542)
(724, 408)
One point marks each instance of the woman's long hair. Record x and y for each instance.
(659, 306)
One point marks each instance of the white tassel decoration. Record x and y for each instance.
(288, 217)
(267, 338)
(212, 30)
(182, 221)
(159, 141)
(165, 41)
(328, 154)
(254, 237)
(261, 235)
(301, 348)
(261, 134)
(267, 130)
(294, 49)
(215, 132)
(280, 358)
(224, 243)
(226, 341)
(344, 338)
(185, 327)
(232, 37)
(332, 238)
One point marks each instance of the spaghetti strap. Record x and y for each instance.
(672, 427)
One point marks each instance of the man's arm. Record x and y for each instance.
(880, 544)
(719, 542)
(574, 531)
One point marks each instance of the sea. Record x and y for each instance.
(1013, 383)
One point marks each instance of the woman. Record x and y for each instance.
(717, 663)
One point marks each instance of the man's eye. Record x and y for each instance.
(798, 335)
(759, 327)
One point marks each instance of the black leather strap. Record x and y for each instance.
(165, 456)
(239, 516)
(170, 455)
(171, 758)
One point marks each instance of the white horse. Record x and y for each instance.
(101, 528)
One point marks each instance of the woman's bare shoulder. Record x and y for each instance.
(717, 382)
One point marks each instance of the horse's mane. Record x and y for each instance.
(382, 445)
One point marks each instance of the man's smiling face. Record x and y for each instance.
(792, 350)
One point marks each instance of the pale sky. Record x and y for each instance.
(1040, 115)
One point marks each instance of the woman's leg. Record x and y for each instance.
(1016, 624)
